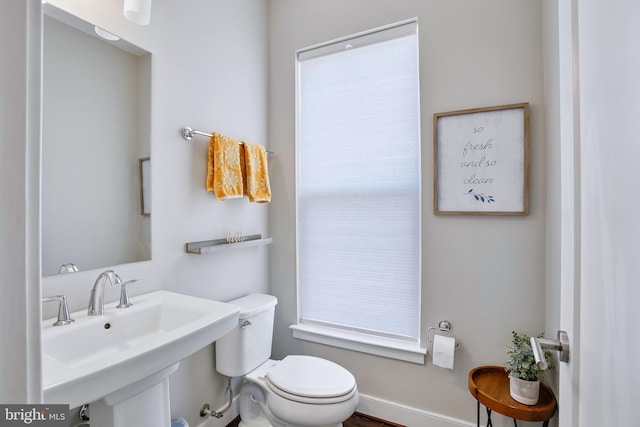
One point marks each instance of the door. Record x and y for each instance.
(600, 224)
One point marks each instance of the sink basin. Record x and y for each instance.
(99, 355)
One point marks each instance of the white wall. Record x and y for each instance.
(209, 72)
(486, 275)
(552, 135)
(20, 50)
(553, 106)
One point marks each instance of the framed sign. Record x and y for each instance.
(481, 161)
(144, 166)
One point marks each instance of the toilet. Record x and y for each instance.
(297, 391)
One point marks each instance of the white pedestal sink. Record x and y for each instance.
(120, 362)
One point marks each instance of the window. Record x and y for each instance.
(358, 193)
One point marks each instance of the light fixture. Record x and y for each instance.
(106, 34)
(137, 11)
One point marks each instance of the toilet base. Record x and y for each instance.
(255, 413)
(255, 423)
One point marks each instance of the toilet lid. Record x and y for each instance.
(310, 376)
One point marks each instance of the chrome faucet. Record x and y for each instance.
(63, 310)
(68, 268)
(124, 296)
(96, 300)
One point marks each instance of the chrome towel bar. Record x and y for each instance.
(188, 133)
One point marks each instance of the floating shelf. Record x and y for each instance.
(218, 245)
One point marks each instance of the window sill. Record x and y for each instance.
(380, 346)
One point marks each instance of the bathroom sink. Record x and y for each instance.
(99, 355)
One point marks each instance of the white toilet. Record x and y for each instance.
(297, 391)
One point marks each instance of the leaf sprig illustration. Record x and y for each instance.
(480, 197)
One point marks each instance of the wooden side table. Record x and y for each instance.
(490, 386)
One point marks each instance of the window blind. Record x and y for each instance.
(358, 184)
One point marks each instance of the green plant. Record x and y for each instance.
(520, 362)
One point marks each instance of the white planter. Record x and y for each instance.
(525, 392)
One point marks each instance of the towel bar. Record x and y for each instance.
(188, 133)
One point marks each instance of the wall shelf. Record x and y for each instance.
(218, 245)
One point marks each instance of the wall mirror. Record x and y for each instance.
(96, 128)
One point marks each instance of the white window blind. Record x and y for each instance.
(358, 184)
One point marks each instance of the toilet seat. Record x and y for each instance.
(310, 400)
(311, 380)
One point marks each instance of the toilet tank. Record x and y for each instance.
(248, 344)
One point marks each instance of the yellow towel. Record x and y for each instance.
(257, 186)
(224, 173)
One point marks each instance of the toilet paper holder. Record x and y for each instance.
(443, 326)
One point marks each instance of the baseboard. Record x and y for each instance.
(369, 405)
(406, 415)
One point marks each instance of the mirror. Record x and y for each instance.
(95, 130)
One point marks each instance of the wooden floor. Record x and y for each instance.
(356, 420)
(361, 420)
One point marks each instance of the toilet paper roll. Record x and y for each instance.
(443, 351)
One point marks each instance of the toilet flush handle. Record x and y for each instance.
(245, 325)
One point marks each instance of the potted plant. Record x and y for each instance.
(524, 374)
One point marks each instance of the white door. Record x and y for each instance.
(600, 295)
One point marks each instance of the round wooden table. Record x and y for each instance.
(490, 386)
